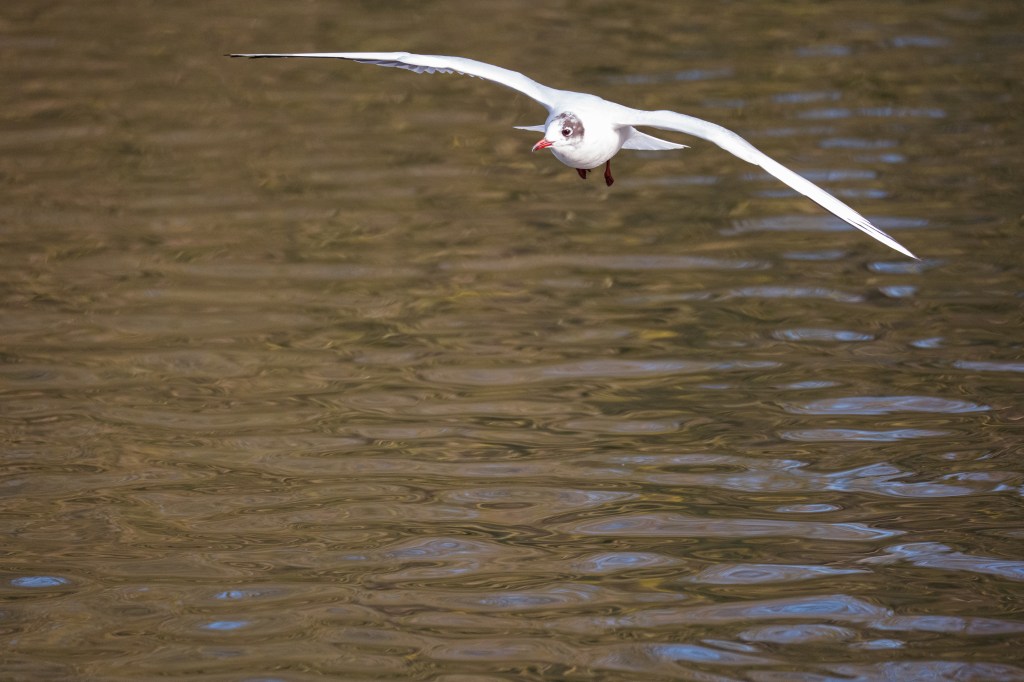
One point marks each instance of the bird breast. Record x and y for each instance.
(598, 142)
(595, 148)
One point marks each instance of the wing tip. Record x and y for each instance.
(881, 236)
(890, 242)
(896, 246)
(904, 251)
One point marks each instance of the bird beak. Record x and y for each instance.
(543, 144)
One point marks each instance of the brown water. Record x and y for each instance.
(311, 369)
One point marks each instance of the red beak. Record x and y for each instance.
(543, 144)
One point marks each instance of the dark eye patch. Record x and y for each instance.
(572, 127)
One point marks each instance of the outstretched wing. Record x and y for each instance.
(731, 142)
(431, 63)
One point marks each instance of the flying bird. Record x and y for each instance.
(585, 131)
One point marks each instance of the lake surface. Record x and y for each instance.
(311, 370)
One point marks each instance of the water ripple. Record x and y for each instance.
(752, 574)
(827, 607)
(663, 658)
(637, 262)
(863, 435)
(673, 76)
(938, 555)
(928, 671)
(794, 292)
(980, 366)
(617, 562)
(874, 405)
(586, 369)
(798, 633)
(678, 525)
(803, 334)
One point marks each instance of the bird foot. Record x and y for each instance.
(608, 179)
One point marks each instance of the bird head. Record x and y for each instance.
(564, 130)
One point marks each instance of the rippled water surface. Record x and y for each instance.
(311, 369)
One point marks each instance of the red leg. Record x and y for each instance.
(608, 179)
(583, 172)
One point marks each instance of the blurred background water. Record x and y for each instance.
(310, 369)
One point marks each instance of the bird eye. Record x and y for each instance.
(566, 132)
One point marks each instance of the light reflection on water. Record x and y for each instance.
(307, 374)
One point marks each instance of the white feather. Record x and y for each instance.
(638, 140)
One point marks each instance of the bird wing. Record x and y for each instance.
(431, 63)
(638, 140)
(731, 142)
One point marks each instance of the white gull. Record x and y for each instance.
(584, 131)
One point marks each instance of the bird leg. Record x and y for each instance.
(608, 179)
(583, 172)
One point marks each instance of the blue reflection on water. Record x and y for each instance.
(855, 143)
(874, 112)
(39, 581)
(919, 41)
(225, 625)
(686, 75)
(805, 97)
(824, 51)
(231, 594)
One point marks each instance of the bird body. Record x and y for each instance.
(584, 131)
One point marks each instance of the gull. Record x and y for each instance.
(584, 131)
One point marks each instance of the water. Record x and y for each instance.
(311, 370)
